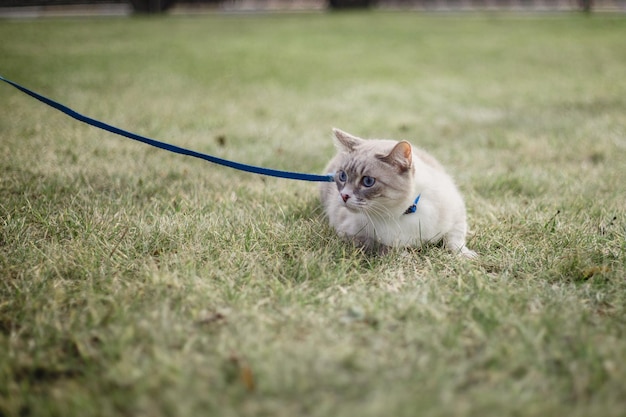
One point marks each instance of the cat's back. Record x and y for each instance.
(428, 159)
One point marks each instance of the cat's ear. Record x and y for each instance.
(346, 141)
(400, 156)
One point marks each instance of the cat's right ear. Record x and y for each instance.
(346, 141)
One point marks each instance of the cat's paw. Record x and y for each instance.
(468, 253)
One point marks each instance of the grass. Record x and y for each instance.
(137, 282)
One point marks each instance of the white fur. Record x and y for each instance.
(440, 213)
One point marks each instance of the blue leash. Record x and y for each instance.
(169, 147)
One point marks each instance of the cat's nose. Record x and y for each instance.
(345, 197)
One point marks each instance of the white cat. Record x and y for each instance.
(389, 193)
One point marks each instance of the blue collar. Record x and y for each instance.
(413, 208)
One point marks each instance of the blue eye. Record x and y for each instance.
(368, 181)
(342, 176)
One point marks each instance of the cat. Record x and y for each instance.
(389, 193)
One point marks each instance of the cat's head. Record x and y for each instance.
(375, 175)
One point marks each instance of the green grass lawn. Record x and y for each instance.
(136, 282)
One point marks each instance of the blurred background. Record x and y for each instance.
(34, 8)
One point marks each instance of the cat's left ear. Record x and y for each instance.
(400, 156)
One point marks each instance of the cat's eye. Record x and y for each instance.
(368, 181)
(342, 176)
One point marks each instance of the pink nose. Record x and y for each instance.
(345, 197)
